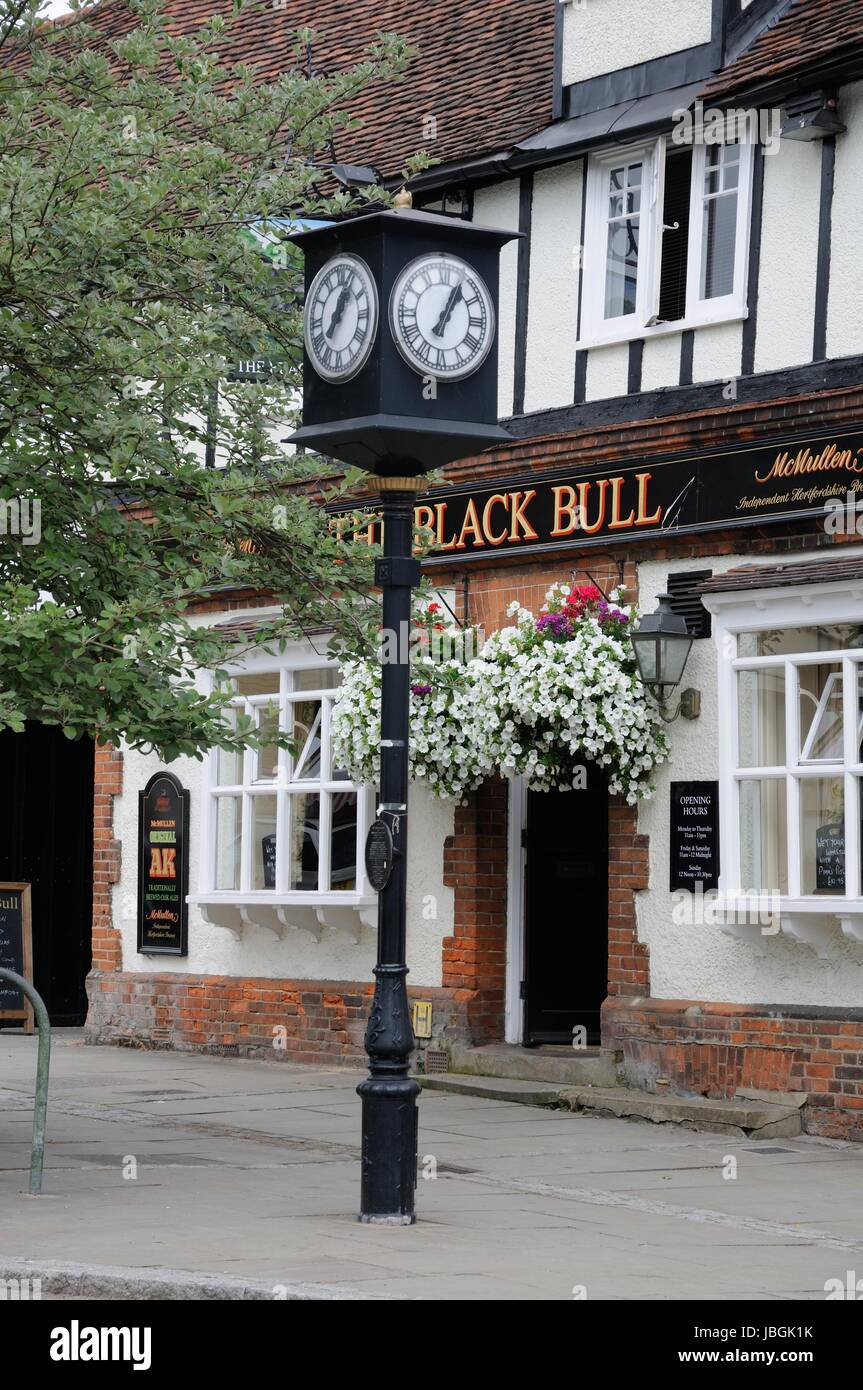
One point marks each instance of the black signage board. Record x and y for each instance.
(16, 951)
(379, 854)
(789, 478)
(830, 859)
(694, 836)
(163, 867)
(268, 855)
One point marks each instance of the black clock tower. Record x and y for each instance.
(400, 377)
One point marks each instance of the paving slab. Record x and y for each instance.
(248, 1178)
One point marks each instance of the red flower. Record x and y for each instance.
(433, 608)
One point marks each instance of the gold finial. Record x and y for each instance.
(403, 199)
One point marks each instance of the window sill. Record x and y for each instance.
(821, 923)
(632, 333)
(282, 913)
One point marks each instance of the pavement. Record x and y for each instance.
(173, 1175)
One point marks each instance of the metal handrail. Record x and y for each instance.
(40, 1108)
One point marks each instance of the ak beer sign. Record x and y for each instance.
(748, 485)
(163, 867)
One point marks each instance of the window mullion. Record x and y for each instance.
(850, 702)
(792, 744)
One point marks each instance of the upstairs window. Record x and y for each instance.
(666, 236)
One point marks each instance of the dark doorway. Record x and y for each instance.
(566, 911)
(46, 839)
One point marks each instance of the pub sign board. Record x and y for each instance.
(787, 479)
(694, 836)
(163, 867)
(16, 952)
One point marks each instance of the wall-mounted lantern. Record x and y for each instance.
(661, 644)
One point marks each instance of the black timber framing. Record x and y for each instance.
(822, 272)
(841, 373)
(750, 323)
(522, 291)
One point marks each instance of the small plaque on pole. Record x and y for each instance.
(379, 854)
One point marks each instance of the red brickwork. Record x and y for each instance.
(628, 966)
(108, 783)
(475, 866)
(288, 1020)
(711, 1049)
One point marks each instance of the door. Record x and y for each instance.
(566, 911)
(46, 839)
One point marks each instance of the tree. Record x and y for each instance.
(136, 173)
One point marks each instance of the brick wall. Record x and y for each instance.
(708, 1049)
(286, 1020)
(475, 866)
(108, 783)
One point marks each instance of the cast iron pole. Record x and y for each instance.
(389, 1141)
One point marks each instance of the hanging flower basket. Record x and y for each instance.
(541, 699)
(448, 746)
(563, 690)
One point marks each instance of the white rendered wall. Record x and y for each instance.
(660, 365)
(717, 352)
(845, 302)
(607, 372)
(214, 951)
(497, 206)
(553, 301)
(604, 35)
(701, 962)
(789, 255)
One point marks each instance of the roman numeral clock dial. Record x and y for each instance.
(442, 317)
(341, 318)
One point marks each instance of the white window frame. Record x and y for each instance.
(596, 330)
(282, 905)
(807, 917)
(733, 305)
(594, 325)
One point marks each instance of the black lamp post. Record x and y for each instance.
(661, 643)
(400, 377)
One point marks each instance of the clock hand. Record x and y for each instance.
(446, 315)
(339, 310)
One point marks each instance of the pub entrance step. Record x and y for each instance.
(741, 1117)
(590, 1066)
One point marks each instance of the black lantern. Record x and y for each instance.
(400, 377)
(661, 644)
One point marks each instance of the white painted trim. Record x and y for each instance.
(812, 605)
(597, 331)
(514, 1012)
(597, 327)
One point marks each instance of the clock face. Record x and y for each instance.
(442, 317)
(341, 318)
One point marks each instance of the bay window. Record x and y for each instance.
(283, 829)
(666, 238)
(791, 758)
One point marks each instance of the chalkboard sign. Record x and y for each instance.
(694, 836)
(163, 867)
(268, 851)
(16, 951)
(830, 859)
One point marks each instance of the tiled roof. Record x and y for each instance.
(841, 570)
(483, 76)
(812, 35)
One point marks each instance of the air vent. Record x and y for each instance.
(685, 598)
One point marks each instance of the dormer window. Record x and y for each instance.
(666, 237)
